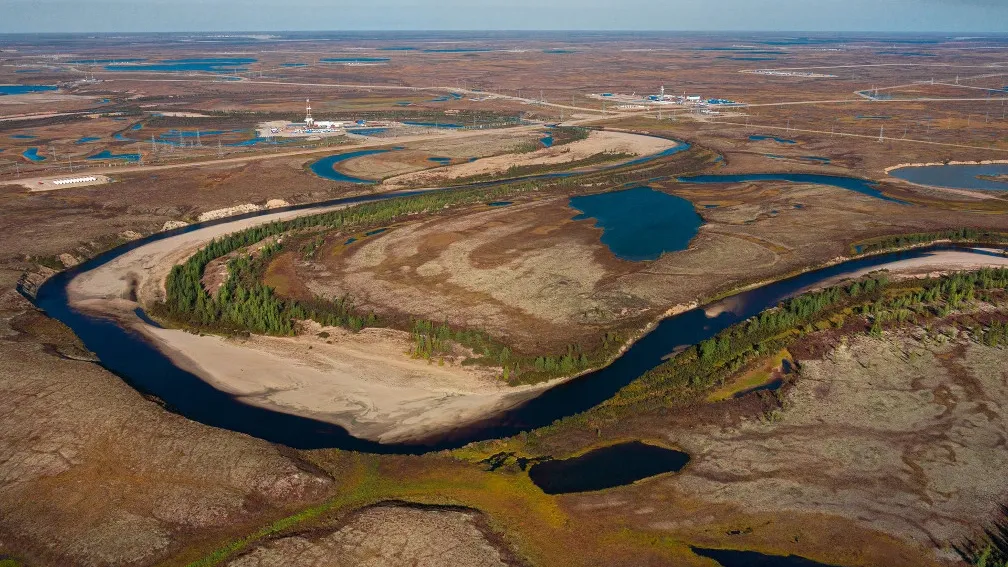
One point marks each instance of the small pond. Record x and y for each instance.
(640, 223)
(32, 154)
(760, 138)
(957, 176)
(23, 136)
(863, 186)
(500, 203)
(733, 558)
(547, 140)
(440, 160)
(616, 465)
(325, 167)
(87, 139)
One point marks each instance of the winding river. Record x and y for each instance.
(129, 355)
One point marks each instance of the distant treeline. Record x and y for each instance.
(972, 235)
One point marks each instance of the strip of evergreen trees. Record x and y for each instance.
(876, 302)
(896, 241)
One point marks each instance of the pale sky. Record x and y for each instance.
(957, 16)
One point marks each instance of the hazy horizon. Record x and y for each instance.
(272, 16)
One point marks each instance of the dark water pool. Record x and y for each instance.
(87, 139)
(204, 64)
(956, 176)
(607, 467)
(500, 203)
(760, 138)
(440, 160)
(863, 186)
(325, 167)
(109, 155)
(640, 223)
(25, 89)
(734, 558)
(32, 154)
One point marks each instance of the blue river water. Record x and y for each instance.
(955, 176)
(144, 367)
(325, 167)
(862, 186)
(641, 223)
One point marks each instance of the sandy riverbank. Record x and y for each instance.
(597, 142)
(366, 382)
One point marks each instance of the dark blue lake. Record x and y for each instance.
(23, 89)
(955, 176)
(863, 186)
(210, 65)
(440, 160)
(733, 558)
(607, 467)
(23, 136)
(32, 154)
(641, 223)
(109, 155)
(325, 167)
(760, 138)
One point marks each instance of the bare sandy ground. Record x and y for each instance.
(366, 383)
(596, 142)
(932, 264)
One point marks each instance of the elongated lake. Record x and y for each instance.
(607, 467)
(993, 177)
